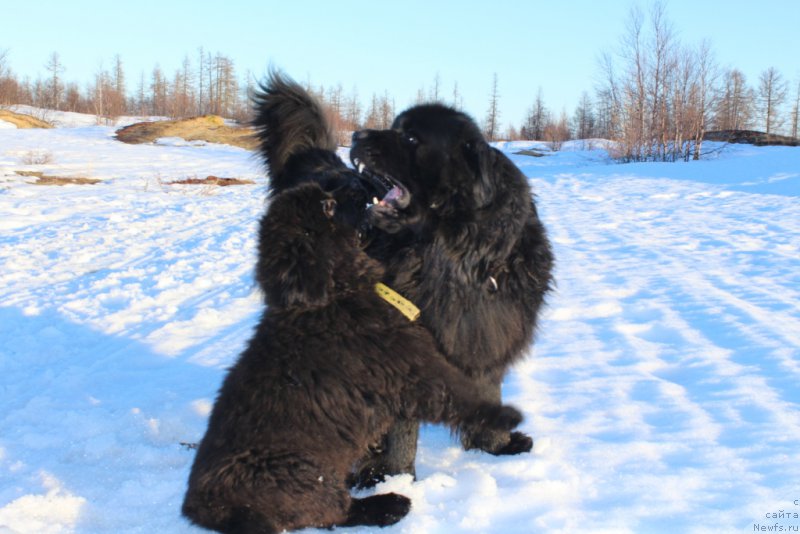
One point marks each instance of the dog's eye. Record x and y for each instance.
(411, 139)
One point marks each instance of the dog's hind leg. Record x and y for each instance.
(394, 455)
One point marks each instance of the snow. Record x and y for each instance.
(661, 391)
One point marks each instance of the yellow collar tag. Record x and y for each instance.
(404, 306)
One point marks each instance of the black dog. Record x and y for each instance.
(331, 366)
(461, 238)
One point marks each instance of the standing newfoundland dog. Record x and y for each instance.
(459, 235)
(331, 366)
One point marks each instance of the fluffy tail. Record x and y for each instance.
(288, 121)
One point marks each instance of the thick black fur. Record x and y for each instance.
(296, 140)
(331, 366)
(459, 235)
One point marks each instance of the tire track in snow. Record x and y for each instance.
(677, 377)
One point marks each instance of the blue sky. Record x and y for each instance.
(398, 46)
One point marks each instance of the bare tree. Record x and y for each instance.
(435, 88)
(734, 108)
(656, 97)
(386, 111)
(537, 118)
(772, 92)
(458, 101)
(9, 87)
(491, 125)
(796, 111)
(704, 101)
(141, 98)
(55, 87)
(556, 132)
(351, 119)
(4, 69)
(158, 93)
(583, 120)
(201, 72)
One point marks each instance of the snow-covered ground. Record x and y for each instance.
(662, 390)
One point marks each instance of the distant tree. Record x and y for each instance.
(119, 76)
(116, 103)
(336, 105)
(583, 119)
(458, 100)
(491, 126)
(734, 109)
(54, 86)
(435, 88)
(141, 96)
(537, 118)
(5, 71)
(351, 119)
(201, 72)
(97, 96)
(656, 96)
(371, 119)
(421, 97)
(772, 92)
(796, 111)
(557, 132)
(379, 113)
(9, 86)
(158, 93)
(705, 95)
(609, 100)
(73, 101)
(386, 111)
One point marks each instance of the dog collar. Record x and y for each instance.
(403, 305)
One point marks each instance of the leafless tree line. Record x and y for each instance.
(657, 97)
(208, 86)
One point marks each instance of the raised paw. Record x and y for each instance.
(496, 417)
(518, 444)
(378, 511)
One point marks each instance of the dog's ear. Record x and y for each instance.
(482, 160)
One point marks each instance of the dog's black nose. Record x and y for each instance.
(360, 135)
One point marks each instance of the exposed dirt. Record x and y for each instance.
(208, 128)
(22, 121)
(211, 180)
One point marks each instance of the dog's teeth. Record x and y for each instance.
(375, 200)
(361, 167)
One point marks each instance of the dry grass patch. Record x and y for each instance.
(22, 121)
(208, 128)
(44, 179)
(212, 180)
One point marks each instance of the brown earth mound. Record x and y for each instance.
(530, 152)
(751, 137)
(212, 180)
(44, 179)
(208, 128)
(22, 121)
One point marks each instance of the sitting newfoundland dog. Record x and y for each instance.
(458, 233)
(334, 361)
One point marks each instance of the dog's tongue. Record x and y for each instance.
(394, 195)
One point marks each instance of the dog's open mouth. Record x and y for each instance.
(389, 192)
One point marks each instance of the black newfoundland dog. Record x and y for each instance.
(332, 363)
(458, 233)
